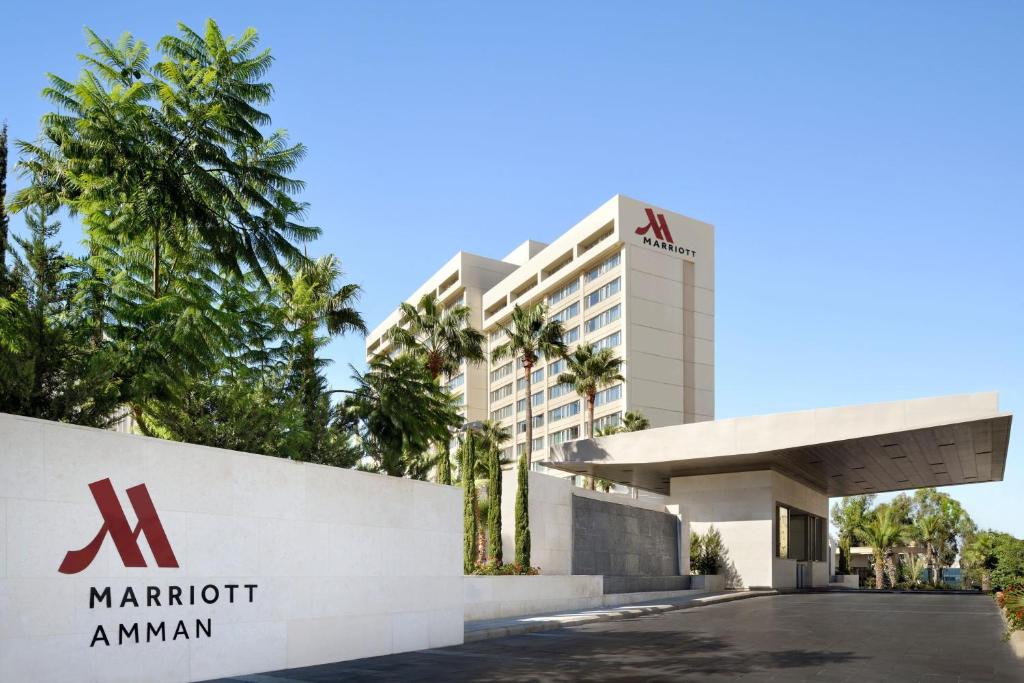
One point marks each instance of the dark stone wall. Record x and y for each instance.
(620, 540)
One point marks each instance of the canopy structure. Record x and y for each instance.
(959, 439)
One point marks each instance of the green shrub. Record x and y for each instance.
(707, 552)
(512, 569)
(1011, 599)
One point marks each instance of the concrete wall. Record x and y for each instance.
(495, 597)
(619, 540)
(741, 506)
(550, 521)
(551, 518)
(345, 564)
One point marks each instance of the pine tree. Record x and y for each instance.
(470, 502)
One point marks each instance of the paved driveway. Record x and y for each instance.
(806, 637)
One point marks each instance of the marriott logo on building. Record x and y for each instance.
(661, 237)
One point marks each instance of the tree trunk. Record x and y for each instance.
(528, 366)
(986, 581)
(590, 415)
(879, 571)
(890, 568)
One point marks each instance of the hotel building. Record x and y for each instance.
(630, 276)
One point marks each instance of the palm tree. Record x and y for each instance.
(926, 529)
(442, 336)
(882, 530)
(311, 301)
(635, 421)
(530, 336)
(589, 372)
(917, 566)
(397, 411)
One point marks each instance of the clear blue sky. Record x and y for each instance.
(862, 164)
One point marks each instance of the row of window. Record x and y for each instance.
(567, 313)
(613, 339)
(603, 267)
(564, 411)
(456, 381)
(603, 318)
(599, 295)
(562, 389)
(569, 289)
(504, 371)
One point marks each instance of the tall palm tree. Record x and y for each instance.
(530, 336)
(590, 371)
(635, 421)
(442, 336)
(882, 530)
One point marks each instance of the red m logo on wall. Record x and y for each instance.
(658, 224)
(126, 539)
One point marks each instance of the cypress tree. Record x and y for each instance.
(494, 506)
(523, 515)
(469, 501)
(444, 464)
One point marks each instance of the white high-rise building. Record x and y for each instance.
(630, 276)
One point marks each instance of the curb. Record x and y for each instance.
(612, 614)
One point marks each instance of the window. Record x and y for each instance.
(613, 420)
(536, 377)
(502, 413)
(572, 335)
(563, 292)
(613, 339)
(559, 390)
(800, 535)
(556, 368)
(567, 313)
(603, 268)
(497, 336)
(608, 395)
(499, 373)
(538, 421)
(457, 381)
(570, 434)
(538, 398)
(502, 392)
(599, 295)
(538, 445)
(562, 412)
(460, 399)
(602, 319)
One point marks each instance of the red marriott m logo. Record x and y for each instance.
(658, 224)
(126, 539)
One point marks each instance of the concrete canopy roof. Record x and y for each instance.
(870, 448)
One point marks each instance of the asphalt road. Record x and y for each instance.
(804, 637)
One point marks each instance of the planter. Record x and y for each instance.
(707, 582)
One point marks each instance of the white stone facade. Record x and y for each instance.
(345, 564)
